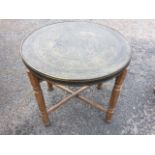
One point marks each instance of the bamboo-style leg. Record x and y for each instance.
(50, 86)
(39, 97)
(99, 86)
(115, 95)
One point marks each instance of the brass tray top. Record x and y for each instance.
(76, 52)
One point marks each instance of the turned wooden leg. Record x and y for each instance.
(115, 95)
(99, 86)
(50, 86)
(39, 97)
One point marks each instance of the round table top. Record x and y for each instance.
(76, 52)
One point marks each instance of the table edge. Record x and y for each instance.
(76, 81)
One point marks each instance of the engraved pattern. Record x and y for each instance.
(76, 51)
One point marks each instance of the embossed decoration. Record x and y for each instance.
(76, 51)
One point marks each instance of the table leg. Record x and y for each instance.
(99, 86)
(115, 95)
(39, 97)
(50, 86)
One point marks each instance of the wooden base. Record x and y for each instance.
(50, 86)
(39, 97)
(115, 95)
(99, 86)
(35, 82)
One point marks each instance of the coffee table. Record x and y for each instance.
(78, 54)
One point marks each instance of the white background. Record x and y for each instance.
(77, 9)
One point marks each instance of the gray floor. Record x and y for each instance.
(135, 112)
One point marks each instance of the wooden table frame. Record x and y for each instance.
(35, 82)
